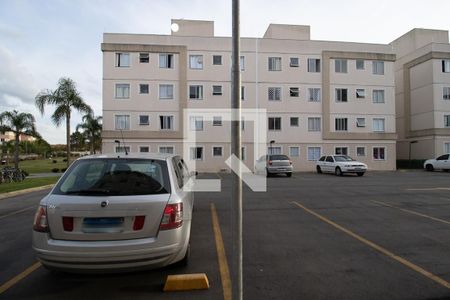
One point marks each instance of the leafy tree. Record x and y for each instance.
(78, 141)
(65, 98)
(19, 123)
(92, 129)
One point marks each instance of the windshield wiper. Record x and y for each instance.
(89, 191)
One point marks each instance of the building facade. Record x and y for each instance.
(321, 97)
(422, 76)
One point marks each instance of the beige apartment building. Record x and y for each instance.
(422, 76)
(321, 97)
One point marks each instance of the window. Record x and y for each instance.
(360, 64)
(314, 124)
(274, 94)
(122, 149)
(196, 123)
(360, 93)
(360, 151)
(196, 153)
(341, 151)
(196, 92)
(313, 65)
(217, 121)
(274, 63)
(294, 121)
(166, 61)
(378, 125)
(293, 62)
(340, 66)
(294, 151)
(217, 151)
(165, 91)
(122, 122)
(446, 120)
(378, 67)
(378, 96)
(274, 150)
(313, 153)
(122, 91)
(446, 93)
(122, 59)
(446, 65)
(242, 63)
(314, 94)
(379, 153)
(143, 89)
(217, 60)
(443, 157)
(166, 122)
(294, 92)
(242, 93)
(144, 120)
(166, 149)
(217, 90)
(446, 147)
(144, 149)
(275, 123)
(360, 122)
(196, 62)
(340, 124)
(341, 95)
(144, 58)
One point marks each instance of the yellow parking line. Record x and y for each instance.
(223, 264)
(411, 212)
(4, 287)
(17, 212)
(378, 248)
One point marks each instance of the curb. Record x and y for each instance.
(25, 191)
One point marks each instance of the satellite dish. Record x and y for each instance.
(174, 27)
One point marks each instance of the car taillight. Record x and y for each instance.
(172, 217)
(138, 222)
(270, 162)
(67, 223)
(40, 219)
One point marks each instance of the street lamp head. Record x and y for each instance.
(272, 141)
(117, 141)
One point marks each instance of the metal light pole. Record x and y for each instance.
(236, 184)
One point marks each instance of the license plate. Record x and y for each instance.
(102, 222)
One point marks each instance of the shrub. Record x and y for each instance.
(63, 170)
(55, 170)
(65, 160)
(54, 161)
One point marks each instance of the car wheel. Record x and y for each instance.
(429, 167)
(338, 171)
(288, 174)
(319, 170)
(360, 173)
(268, 174)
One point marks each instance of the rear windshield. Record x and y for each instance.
(115, 177)
(279, 157)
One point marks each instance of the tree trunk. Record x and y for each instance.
(68, 138)
(16, 150)
(93, 144)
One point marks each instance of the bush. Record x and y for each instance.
(55, 170)
(65, 160)
(63, 170)
(54, 161)
(407, 164)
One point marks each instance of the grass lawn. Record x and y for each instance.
(41, 165)
(26, 184)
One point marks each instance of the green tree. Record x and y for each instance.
(19, 123)
(78, 141)
(92, 129)
(65, 98)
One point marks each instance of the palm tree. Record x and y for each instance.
(19, 123)
(92, 128)
(65, 98)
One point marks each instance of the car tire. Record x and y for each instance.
(268, 174)
(429, 167)
(288, 174)
(360, 174)
(338, 171)
(319, 170)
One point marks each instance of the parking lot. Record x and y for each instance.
(385, 235)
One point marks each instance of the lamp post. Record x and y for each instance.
(409, 156)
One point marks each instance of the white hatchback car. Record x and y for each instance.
(111, 212)
(440, 163)
(339, 165)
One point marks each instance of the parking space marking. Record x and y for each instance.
(411, 212)
(222, 258)
(4, 287)
(378, 248)
(17, 212)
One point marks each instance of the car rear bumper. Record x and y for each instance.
(279, 169)
(167, 248)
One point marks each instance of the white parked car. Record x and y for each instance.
(111, 212)
(339, 165)
(440, 163)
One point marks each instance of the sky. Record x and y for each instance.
(42, 41)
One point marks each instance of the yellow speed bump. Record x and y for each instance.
(186, 282)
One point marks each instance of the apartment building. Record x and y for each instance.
(321, 97)
(422, 76)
